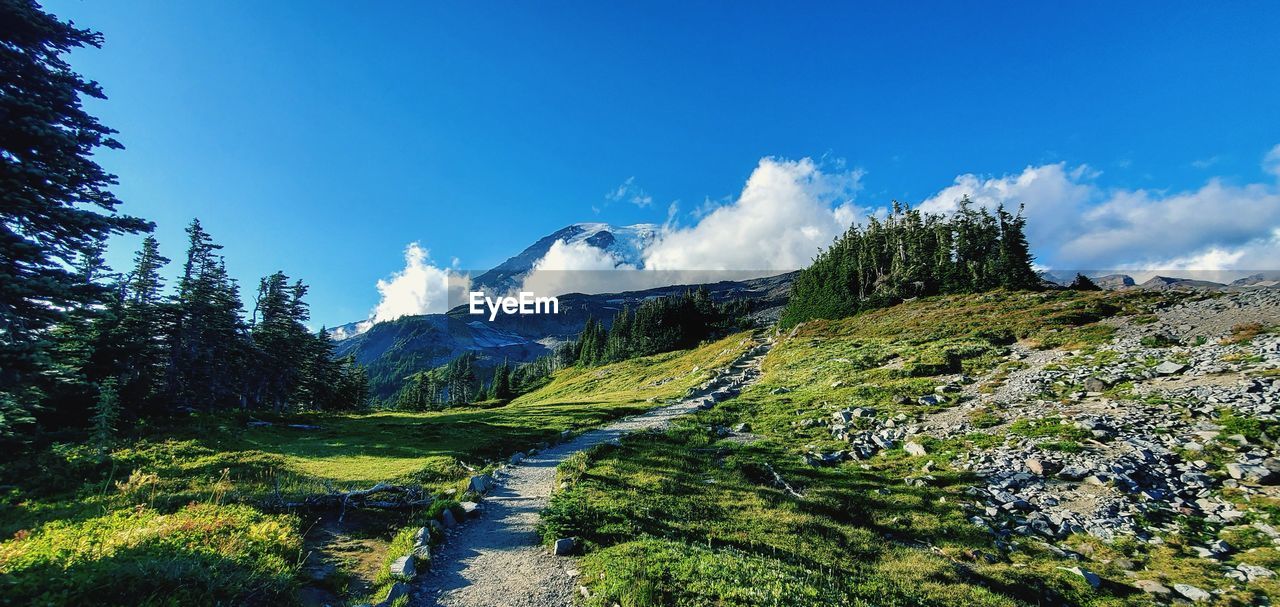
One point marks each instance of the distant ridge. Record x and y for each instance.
(1160, 283)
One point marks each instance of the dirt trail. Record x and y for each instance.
(497, 561)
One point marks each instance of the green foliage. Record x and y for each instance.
(1083, 283)
(455, 383)
(56, 208)
(1049, 427)
(201, 554)
(106, 414)
(661, 324)
(911, 254)
(1252, 428)
(1158, 341)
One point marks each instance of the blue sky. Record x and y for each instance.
(322, 137)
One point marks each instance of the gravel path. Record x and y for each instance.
(497, 560)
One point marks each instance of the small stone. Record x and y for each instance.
(480, 483)
(447, 519)
(1250, 473)
(402, 568)
(564, 546)
(914, 448)
(1192, 593)
(1255, 572)
(1152, 587)
(517, 458)
(470, 509)
(399, 589)
(1169, 367)
(1040, 467)
(1090, 577)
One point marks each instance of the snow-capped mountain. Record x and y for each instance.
(625, 244)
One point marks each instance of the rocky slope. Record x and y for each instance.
(1164, 425)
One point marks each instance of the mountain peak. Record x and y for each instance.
(625, 243)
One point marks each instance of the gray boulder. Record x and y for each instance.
(563, 546)
(399, 589)
(403, 568)
(1196, 595)
(480, 483)
(1152, 587)
(1089, 577)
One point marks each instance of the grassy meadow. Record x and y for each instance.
(688, 518)
(190, 515)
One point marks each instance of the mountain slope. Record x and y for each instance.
(626, 244)
(396, 349)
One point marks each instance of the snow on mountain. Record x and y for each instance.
(624, 245)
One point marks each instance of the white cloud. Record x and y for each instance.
(1204, 163)
(628, 191)
(787, 211)
(581, 268)
(1073, 223)
(1271, 162)
(419, 288)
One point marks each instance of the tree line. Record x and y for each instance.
(661, 324)
(81, 345)
(195, 348)
(910, 254)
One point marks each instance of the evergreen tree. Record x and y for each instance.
(106, 413)
(353, 385)
(140, 334)
(208, 343)
(1084, 283)
(320, 375)
(500, 388)
(909, 254)
(283, 344)
(1014, 261)
(55, 202)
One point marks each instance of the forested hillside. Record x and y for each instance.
(911, 254)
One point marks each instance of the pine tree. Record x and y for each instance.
(282, 341)
(208, 342)
(500, 388)
(320, 375)
(106, 413)
(55, 202)
(141, 331)
(909, 254)
(1014, 262)
(1084, 283)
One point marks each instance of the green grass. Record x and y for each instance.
(685, 518)
(200, 554)
(188, 515)
(1049, 427)
(426, 447)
